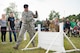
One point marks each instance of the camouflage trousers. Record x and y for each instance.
(30, 29)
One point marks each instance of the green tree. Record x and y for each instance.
(71, 17)
(53, 14)
(57, 15)
(78, 16)
(12, 8)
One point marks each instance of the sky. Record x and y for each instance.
(64, 7)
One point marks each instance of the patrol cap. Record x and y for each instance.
(25, 5)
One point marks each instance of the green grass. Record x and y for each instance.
(8, 48)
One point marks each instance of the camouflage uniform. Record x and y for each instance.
(27, 24)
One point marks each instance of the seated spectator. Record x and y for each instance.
(46, 25)
(75, 30)
(67, 25)
(78, 24)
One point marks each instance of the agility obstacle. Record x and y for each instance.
(53, 41)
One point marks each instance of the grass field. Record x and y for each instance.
(8, 48)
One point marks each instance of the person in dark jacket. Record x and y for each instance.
(11, 24)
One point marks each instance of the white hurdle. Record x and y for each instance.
(53, 41)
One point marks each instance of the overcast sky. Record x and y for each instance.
(64, 7)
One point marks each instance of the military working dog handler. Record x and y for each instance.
(27, 24)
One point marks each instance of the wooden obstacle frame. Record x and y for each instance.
(53, 41)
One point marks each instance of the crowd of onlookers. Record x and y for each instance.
(13, 25)
(72, 27)
(10, 25)
(51, 25)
